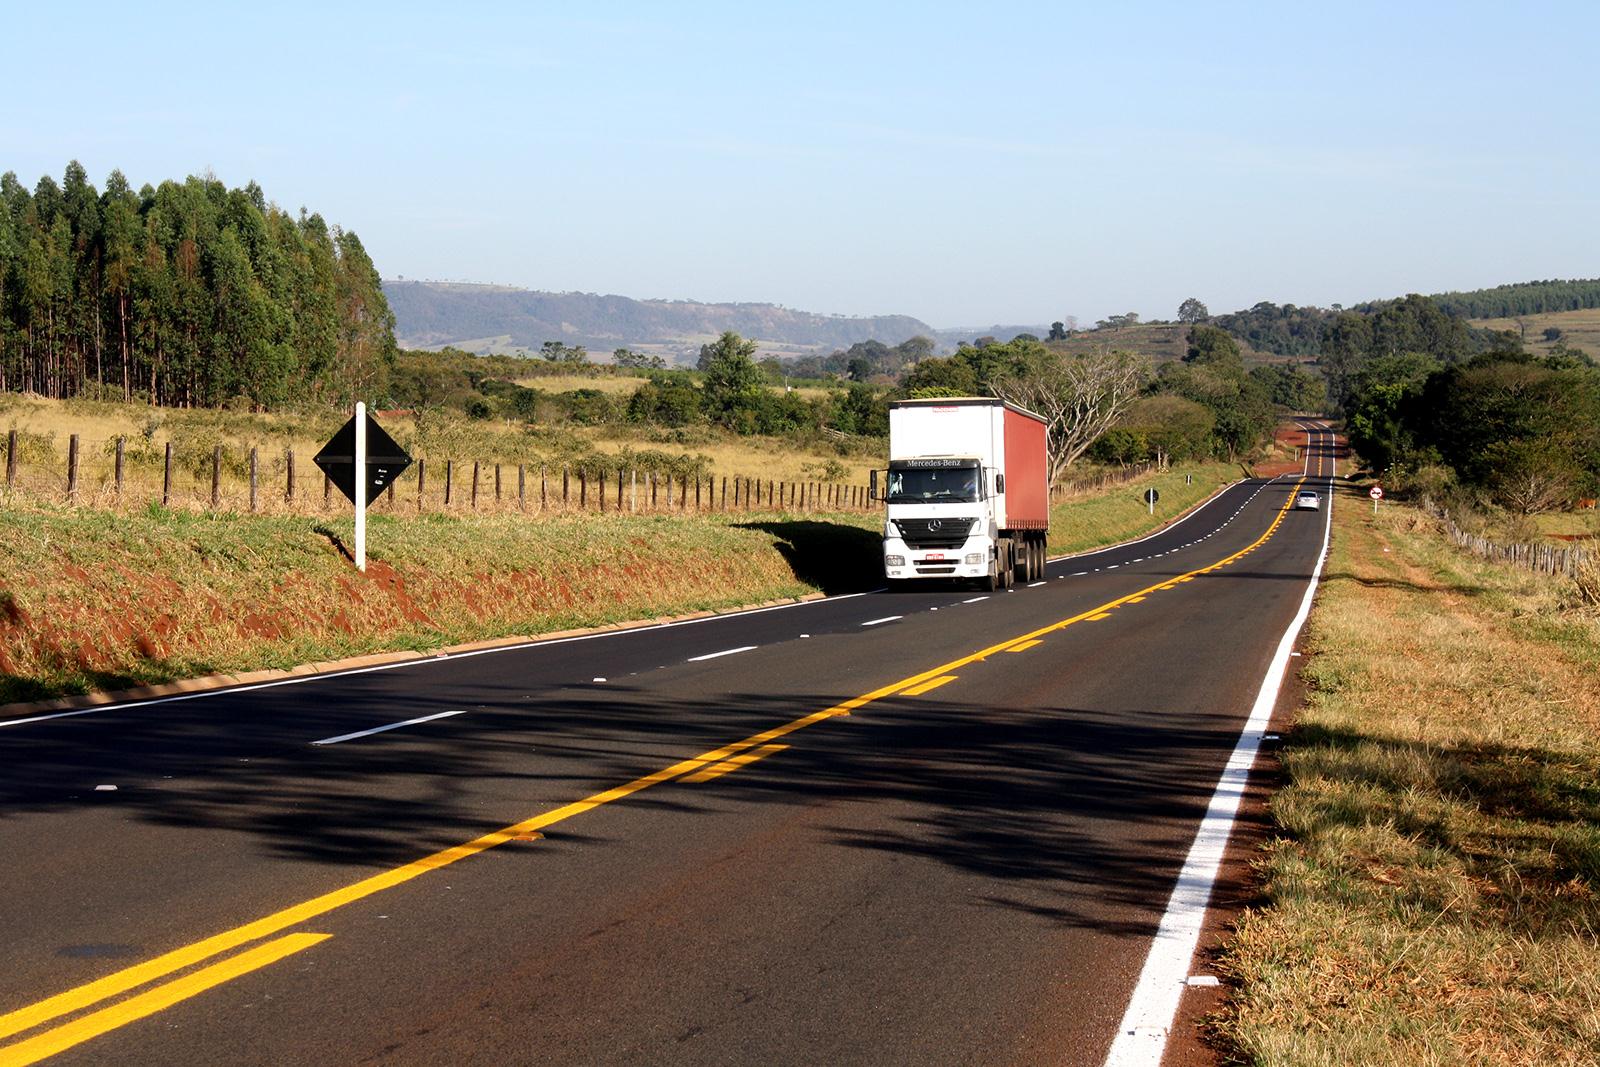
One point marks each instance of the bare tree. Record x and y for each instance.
(1079, 397)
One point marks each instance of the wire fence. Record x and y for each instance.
(281, 482)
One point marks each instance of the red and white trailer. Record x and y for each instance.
(967, 491)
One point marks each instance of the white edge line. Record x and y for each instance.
(1142, 1037)
(421, 661)
(382, 729)
(724, 652)
(886, 618)
(975, 599)
(1034, 585)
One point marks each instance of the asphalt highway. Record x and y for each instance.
(925, 827)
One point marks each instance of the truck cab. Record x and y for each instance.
(940, 521)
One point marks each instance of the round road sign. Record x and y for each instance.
(1376, 492)
(1151, 496)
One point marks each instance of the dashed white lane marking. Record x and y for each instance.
(1112, 566)
(724, 652)
(886, 618)
(1031, 585)
(1077, 574)
(391, 726)
(975, 599)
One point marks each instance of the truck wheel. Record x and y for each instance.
(1008, 566)
(992, 582)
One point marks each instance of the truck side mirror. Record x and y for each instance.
(872, 485)
(999, 483)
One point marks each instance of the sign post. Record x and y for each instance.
(1376, 493)
(362, 460)
(1150, 497)
(361, 487)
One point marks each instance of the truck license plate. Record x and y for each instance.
(934, 555)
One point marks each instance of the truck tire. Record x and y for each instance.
(1008, 565)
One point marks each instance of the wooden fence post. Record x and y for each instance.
(566, 486)
(544, 489)
(583, 489)
(216, 477)
(288, 474)
(422, 479)
(696, 493)
(72, 469)
(449, 480)
(475, 466)
(633, 491)
(652, 490)
(602, 490)
(122, 450)
(497, 483)
(619, 488)
(725, 492)
(166, 477)
(11, 459)
(254, 469)
(522, 487)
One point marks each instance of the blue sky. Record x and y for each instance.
(964, 165)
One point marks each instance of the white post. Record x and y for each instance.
(361, 486)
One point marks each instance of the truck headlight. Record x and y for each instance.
(894, 561)
(973, 557)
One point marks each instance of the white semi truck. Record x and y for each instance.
(966, 492)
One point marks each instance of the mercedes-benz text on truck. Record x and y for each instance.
(966, 492)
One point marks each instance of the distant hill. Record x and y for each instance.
(955, 335)
(489, 318)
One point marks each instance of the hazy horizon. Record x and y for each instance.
(960, 168)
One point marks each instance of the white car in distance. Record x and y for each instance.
(1307, 502)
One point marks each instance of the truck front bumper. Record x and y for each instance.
(971, 560)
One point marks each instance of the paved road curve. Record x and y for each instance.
(932, 827)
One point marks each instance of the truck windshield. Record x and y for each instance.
(918, 485)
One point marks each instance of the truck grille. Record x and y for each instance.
(935, 533)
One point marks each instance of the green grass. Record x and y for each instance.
(1432, 896)
(1120, 513)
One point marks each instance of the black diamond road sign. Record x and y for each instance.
(386, 460)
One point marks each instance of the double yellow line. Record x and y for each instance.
(703, 767)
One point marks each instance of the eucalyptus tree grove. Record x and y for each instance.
(185, 294)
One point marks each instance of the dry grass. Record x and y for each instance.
(49, 424)
(1433, 896)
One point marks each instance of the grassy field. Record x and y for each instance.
(1433, 893)
(1581, 329)
(98, 599)
(1103, 518)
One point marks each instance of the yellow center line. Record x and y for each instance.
(930, 684)
(158, 999)
(1024, 646)
(716, 770)
(130, 978)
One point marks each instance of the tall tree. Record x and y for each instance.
(1079, 397)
